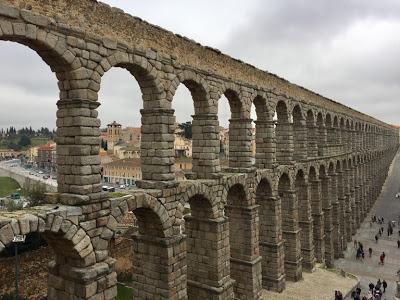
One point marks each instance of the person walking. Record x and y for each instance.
(370, 251)
(355, 244)
(378, 285)
(371, 286)
(338, 295)
(382, 258)
(384, 285)
(376, 238)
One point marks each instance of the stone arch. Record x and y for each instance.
(321, 136)
(330, 134)
(153, 218)
(198, 88)
(317, 213)
(229, 184)
(290, 228)
(284, 133)
(305, 220)
(236, 104)
(147, 76)
(312, 135)
(204, 226)
(243, 240)
(264, 135)
(75, 258)
(67, 239)
(299, 134)
(262, 111)
(50, 47)
(270, 230)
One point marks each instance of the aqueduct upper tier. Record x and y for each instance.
(318, 168)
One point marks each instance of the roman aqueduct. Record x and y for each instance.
(255, 225)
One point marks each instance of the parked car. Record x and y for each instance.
(122, 186)
(106, 188)
(46, 176)
(40, 172)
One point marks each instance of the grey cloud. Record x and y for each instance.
(345, 50)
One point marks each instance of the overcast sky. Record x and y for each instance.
(347, 50)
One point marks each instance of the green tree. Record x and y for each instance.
(12, 205)
(187, 129)
(24, 141)
(36, 194)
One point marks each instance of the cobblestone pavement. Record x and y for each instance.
(369, 270)
(319, 285)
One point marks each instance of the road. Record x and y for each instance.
(18, 169)
(369, 270)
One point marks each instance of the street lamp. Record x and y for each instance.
(16, 240)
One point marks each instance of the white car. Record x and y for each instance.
(122, 186)
(397, 195)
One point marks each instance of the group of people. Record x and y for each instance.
(360, 252)
(375, 292)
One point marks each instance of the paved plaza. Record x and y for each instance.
(320, 284)
(369, 270)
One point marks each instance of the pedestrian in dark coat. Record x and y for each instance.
(384, 285)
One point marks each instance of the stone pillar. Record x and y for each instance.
(245, 253)
(337, 244)
(205, 153)
(328, 226)
(157, 148)
(159, 267)
(208, 259)
(291, 235)
(342, 211)
(78, 145)
(312, 143)
(284, 143)
(330, 140)
(353, 140)
(348, 140)
(353, 201)
(318, 221)
(265, 144)
(357, 198)
(364, 190)
(349, 212)
(306, 226)
(300, 140)
(322, 144)
(240, 138)
(97, 281)
(271, 245)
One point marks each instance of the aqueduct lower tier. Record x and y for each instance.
(264, 220)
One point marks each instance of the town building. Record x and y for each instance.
(47, 157)
(123, 171)
(8, 154)
(124, 150)
(113, 135)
